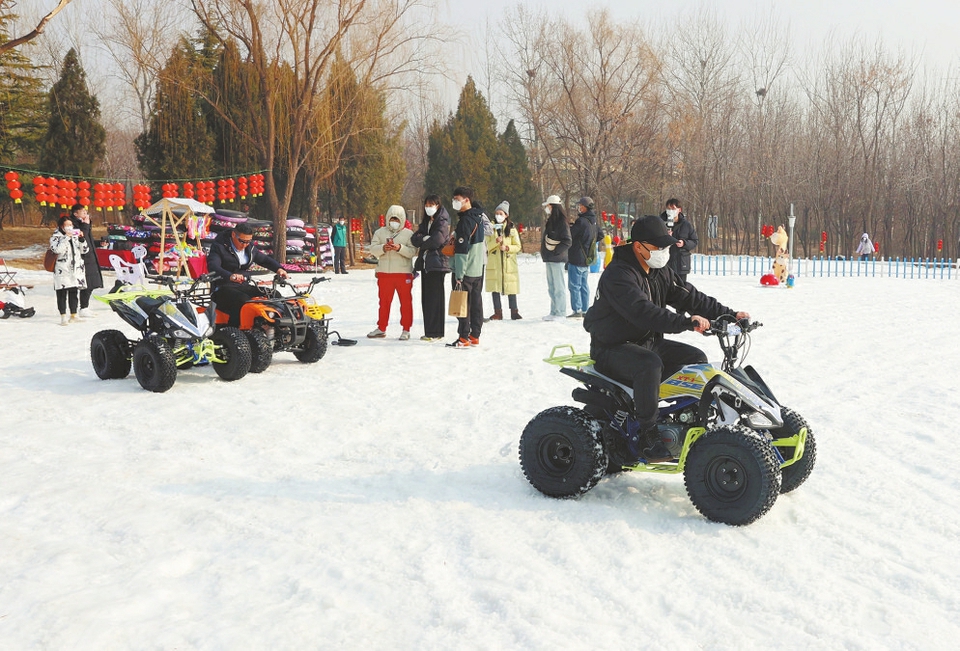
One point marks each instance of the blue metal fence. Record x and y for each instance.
(747, 265)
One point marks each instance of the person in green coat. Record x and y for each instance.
(503, 276)
(340, 246)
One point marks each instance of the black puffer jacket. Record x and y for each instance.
(680, 255)
(556, 229)
(430, 237)
(584, 235)
(631, 303)
(223, 261)
(90, 262)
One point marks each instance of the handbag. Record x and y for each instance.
(458, 302)
(447, 249)
(50, 260)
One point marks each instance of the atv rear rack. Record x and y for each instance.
(571, 360)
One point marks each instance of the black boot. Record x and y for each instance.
(515, 315)
(652, 448)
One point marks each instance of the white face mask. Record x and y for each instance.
(672, 213)
(659, 259)
(548, 209)
(500, 218)
(430, 210)
(394, 225)
(457, 204)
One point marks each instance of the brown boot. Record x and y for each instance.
(497, 316)
(515, 315)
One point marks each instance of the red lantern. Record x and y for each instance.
(382, 222)
(242, 187)
(939, 242)
(188, 190)
(119, 194)
(822, 246)
(876, 247)
(10, 176)
(823, 238)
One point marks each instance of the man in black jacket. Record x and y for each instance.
(680, 228)
(583, 234)
(628, 319)
(231, 256)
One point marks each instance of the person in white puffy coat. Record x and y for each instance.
(865, 248)
(395, 253)
(69, 272)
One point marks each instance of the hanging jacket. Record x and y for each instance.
(630, 304)
(431, 236)
(70, 269)
(503, 275)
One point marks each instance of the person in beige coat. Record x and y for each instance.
(394, 252)
(503, 276)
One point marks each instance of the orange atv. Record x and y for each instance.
(275, 323)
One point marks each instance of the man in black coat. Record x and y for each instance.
(231, 256)
(81, 220)
(583, 235)
(628, 319)
(679, 227)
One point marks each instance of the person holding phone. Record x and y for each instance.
(69, 272)
(392, 248)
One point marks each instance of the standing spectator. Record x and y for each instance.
(865, 248)
(430, 238)
(69, 272)
(468, 261)
(340, 246)
(81, 220)
(554, 247)
(503, 275)
(682, 230)
(583, 251)
(394, 252)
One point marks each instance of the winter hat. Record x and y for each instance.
(586, 202)
(505, 207)
(651, 229)
(398, 212)
(553, 198)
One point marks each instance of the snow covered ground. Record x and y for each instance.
(375, 500)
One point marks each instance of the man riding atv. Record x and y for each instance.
(628, 319)
(231, 256)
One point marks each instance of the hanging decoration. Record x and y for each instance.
(13, 185)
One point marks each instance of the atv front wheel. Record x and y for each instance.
(108, 352)
(314, 347)
(154, 364)
(561, 453)
(797, 473)
(261, 352)
(732, 475)
(233, 349)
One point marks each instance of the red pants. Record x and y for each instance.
(402, 284)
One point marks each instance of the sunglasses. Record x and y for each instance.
(244, 241)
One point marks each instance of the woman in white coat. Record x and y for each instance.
(865, 248)
(69, 272)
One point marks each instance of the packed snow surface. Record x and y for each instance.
(375, 500)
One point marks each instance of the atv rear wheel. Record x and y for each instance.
(314, 346)
(561, 453)
(234, 349)
(794, 475)
(732, 475)
(154, 364)
(108, 352)
(261, 352)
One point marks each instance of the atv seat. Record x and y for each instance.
(149, 303)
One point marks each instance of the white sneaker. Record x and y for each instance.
(63, 319)
(377, 333)
(553, 317)
(87, 313)
(405, 335)
(74, 318)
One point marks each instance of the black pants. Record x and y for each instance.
(644, 368)
(471, 324)
(85, 298)
(339, 253)
(231, 297)
(433, 303)
(63, 295)
(511, 300)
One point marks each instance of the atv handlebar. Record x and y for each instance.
(731, 326)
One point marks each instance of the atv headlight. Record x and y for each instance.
(758, 420)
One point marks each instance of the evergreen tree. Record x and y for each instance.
(75, 141)
(514, 182)
(22, 102)
(464, 150)
(178, 143)
(372, 170)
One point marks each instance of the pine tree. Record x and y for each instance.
(75, 139)
(22, 102)
(514, 182)
(464, 150)
(178, 143)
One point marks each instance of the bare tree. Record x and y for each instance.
(6, 5)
